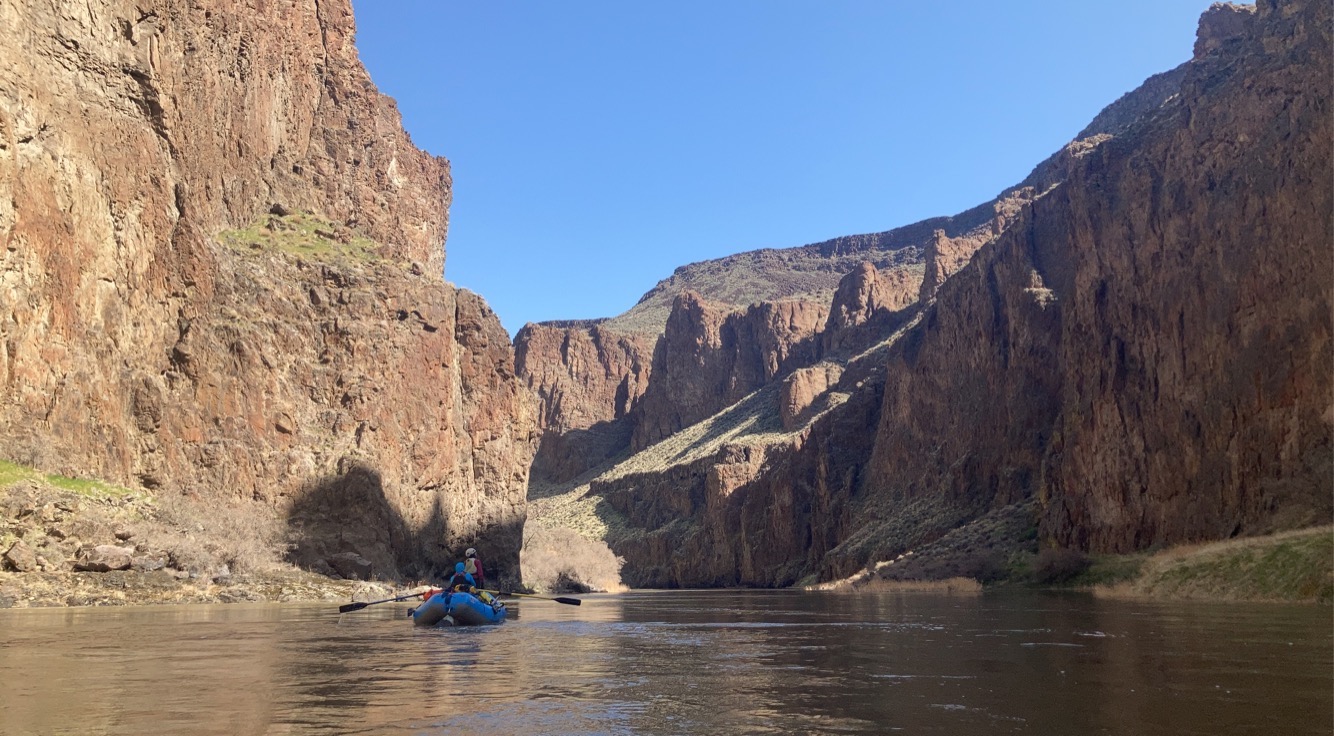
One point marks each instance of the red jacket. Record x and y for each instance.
(477, 574)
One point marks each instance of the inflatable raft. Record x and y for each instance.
(459, 609)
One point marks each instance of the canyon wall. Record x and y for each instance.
(136, 346)
(1196, 291)
(1147, 350)
(1136, 353)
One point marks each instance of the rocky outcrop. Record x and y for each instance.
(807, 273)
(866, 306)
(581, 374)
(945, 256)
(710, 357)
(800, 390)
(585, 379)
(137, 347)
(1222, 23)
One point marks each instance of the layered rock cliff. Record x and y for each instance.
(1130, 349)
(316, 356)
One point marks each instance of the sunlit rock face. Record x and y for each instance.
(867, 305)
(140, 348)
(585, 378)
(710, 356)
(1147, 349)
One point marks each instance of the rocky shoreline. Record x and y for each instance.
(73, 542)
(131, 588)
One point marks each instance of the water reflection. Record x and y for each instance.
(680, 662)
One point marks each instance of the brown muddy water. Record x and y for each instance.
(772, 662)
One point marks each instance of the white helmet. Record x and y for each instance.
(470, 553)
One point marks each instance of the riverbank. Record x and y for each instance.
(76, 542)
(1290, 567)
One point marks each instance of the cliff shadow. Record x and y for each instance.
(344, 525)
(563, 457)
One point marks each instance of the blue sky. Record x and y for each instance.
(596, 146)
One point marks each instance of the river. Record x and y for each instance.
(695, 662)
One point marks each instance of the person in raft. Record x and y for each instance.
(461, 581)
(473, 566)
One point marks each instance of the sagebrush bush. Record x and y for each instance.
(559, 560)
(206, 535)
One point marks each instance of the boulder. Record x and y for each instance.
(21, 558)
(351, 566)
(148, 563)
(104, 558)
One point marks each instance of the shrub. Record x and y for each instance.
(559, 560)
(1056, 565)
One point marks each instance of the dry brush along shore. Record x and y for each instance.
(71, 542)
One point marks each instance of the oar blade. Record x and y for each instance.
(352, 607)
(569, 601)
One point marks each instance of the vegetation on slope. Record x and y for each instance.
(11, 473)
(1294, 566)
(302, 234)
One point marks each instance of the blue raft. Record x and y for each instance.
(458, 609)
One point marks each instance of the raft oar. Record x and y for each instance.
(566, 601)
(358, 606)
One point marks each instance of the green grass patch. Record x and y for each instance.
(1110, 570)
(87, 487)
(1291, 566)
(302, 234)
(11, 473)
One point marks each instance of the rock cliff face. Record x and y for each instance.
(1128, 351)
(1134, 345)
(134, 346)
(710, 357)
(1140, 356)
(585, 379)
(581, 374)
(1196, 404)
(865, 304)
